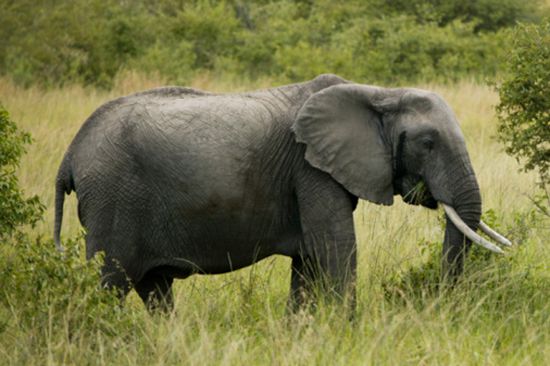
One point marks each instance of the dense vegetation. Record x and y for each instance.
(378, 41)
(43, 290)
(15, 209)
(524, 108)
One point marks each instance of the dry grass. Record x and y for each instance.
(239, 318)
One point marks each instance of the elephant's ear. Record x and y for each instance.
(344, 133)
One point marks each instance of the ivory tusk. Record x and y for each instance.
(493, 234)
(472, 235)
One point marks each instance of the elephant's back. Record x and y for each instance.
(108, 123)
(198, 154)
(170, 125)
(213, 139)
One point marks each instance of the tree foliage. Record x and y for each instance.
(524, 109)
(15, 209)
(42, 288)
(381, 41)
(56, 292)
(486, 15)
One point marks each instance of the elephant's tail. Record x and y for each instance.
(63, 185)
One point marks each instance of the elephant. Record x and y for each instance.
(175, 181)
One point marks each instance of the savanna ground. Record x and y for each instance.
(498, 314)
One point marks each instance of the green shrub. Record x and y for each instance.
(486, 15)
(56, 292)
(173, 60)
(42, 288)
(525, 99)
(15, 209)
(398, 49)
(69, 41)
(211, 29)
(523, 111)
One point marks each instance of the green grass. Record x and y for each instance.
(498, 314)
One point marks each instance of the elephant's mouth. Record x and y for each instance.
(415, 191)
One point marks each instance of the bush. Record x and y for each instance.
(524, 108)
(69, 41)
(397, 49)
(486, 15)
(42, 288)
(15, 209)
(172, 60)
(56, 293)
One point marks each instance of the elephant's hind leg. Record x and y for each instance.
(113, 275)
(156, 292)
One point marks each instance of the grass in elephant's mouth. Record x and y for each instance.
(417, 194)
(420, 195)
(497, 315)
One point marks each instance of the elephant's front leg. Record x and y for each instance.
(326, 263)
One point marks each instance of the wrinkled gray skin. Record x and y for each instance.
(175, 181)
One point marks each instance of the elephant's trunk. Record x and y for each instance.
(463, 210)
(466, 201)
(455, 249)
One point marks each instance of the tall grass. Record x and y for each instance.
(498, 314)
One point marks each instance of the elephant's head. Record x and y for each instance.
(380, 142)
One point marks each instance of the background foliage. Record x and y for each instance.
(380, 41)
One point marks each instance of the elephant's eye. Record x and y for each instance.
(428, 144)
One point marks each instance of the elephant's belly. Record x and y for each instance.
(223, 241)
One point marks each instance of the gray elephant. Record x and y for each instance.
(175, 181)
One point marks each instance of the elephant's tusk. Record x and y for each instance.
(473, 236)
(493, 234)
